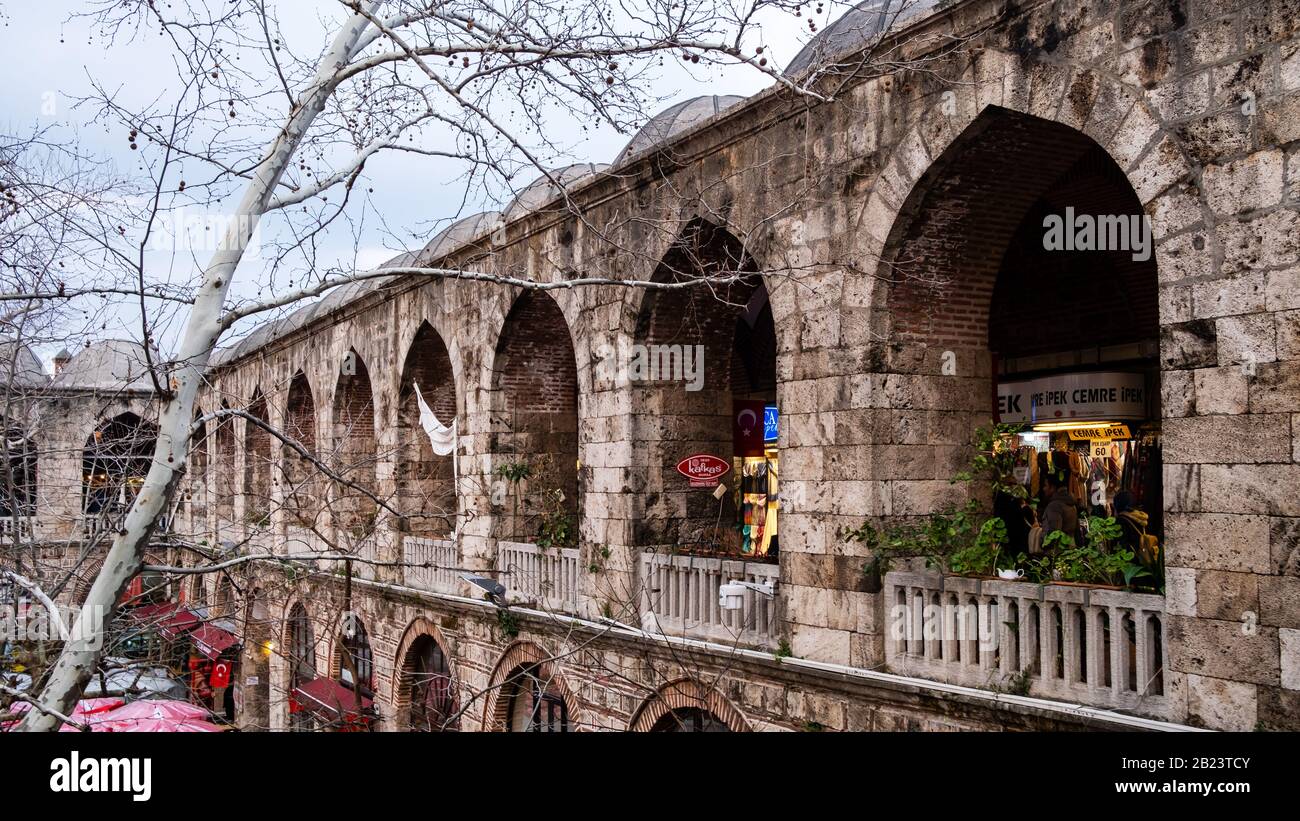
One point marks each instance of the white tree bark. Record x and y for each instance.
(78, 660)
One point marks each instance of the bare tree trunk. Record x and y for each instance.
(78, 659)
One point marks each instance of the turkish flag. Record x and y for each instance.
(220, 674)
(747, 426)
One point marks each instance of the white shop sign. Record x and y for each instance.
(1102, 396)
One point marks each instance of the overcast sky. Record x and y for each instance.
(51, 58)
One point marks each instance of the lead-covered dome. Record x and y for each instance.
(676, 119)
(549, 186)
(114, 364)
(855, 29)
(458, 234)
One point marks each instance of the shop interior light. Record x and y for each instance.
(1047, 427)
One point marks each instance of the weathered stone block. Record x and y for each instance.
(1290, 648)
(1246, 184)
(1228, 439)
(1227, 596)
(1189, 345)
(1279, 601)
(1242, 294)
(1219, 390)
(1224, 649)
(1222, 705)
(1198, 540)
(1275, 387)
(1246, 339)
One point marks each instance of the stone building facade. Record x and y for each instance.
(888, 226)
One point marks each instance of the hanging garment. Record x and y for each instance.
(441, 437)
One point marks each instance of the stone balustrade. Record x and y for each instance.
(679, 596)
(430, 564)
(1096, 646)
(544, 576)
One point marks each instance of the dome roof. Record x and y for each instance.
(457, 234)
(542, 190)
(114, 364)
(674, 120)
(19, 367)
(855, 28)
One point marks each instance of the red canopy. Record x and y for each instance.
(213, 641)
(152, 613)
(178, 624)
(330, 700)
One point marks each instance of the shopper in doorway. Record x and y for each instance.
(1061, 511)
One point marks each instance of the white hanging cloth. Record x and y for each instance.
(441, 437)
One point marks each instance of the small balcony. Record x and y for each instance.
(1091, 645)
(429, 564)
(680, 598)
(546, 577)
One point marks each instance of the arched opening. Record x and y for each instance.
(535, 424)
(534, 702)
(425, 485)
(225, 479)
(354, 508)
(257, 464)
(196, 489)
(1023, 270)
(302, 664)
(690, 720)
(426, 688)
(300, 475)
(687, 705)
(704, 375)
(114, 465)
(17, 483)
(354, 660)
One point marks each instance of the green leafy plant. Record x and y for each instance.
(507, 623)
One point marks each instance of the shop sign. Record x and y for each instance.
(703, 469)
(1061, 397)
(771, 420)
(1106, 433)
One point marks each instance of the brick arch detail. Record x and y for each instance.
(684, 693)
(399, 697)
(519, 654)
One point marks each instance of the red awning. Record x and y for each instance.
(152, 613)
(329, 700)
(213, 641)
(178, 624)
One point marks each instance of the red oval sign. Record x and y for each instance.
(703, 469)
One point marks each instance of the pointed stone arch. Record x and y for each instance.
(525, 657)
(686, 694)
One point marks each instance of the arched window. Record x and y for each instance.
(534, 703)
(356, 661)
(196, 491)
(302, 663)
(427, 679)
(114, 465)
(690, 720)
(17, 483)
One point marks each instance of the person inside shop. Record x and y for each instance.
(1019, 517)
(1061, 511)
(1133, 524)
